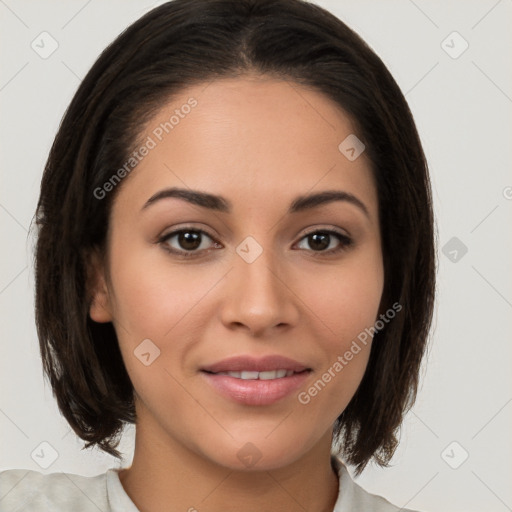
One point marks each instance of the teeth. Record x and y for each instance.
(268, 375)
(249, 375)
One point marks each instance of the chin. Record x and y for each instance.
(260, 453)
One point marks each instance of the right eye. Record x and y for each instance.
(186, 242)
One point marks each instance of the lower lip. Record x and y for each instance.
(256, 392)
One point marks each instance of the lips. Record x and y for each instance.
(266, 375)
(251, 364)
(256, 382)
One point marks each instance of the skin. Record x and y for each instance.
(259, 142)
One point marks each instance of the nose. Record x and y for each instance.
(259, 296)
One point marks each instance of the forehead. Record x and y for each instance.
(250, 139)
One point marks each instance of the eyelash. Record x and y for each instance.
(345, 242)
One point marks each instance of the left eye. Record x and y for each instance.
(319, 241)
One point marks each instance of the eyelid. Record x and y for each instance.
(325, 228)
(346, 242)
(345, 239)
(175, 230)
(310, 230)
(163, 239)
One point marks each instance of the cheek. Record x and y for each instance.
(162, 302)
(345, 299)
(159, 302)
(152, 296)
(347, 307)
(346, 303)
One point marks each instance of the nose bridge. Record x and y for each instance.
(257, 296)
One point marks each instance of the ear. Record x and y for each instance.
(99, 306)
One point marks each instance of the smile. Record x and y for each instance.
(267, 375)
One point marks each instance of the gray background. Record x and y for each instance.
(462, 107)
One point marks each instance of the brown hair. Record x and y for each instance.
(185, 42)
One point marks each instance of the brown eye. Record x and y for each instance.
(326, 241)
(186, 242)
(189, 240)
(319, 241)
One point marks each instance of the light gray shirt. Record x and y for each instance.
(23, 490)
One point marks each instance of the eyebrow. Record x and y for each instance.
(221, 204)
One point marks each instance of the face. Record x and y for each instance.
(257, 272)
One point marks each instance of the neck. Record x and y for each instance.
(169, 477)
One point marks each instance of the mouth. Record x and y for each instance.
(264, 375)
(250, 368)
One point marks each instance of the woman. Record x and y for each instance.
(235, 253)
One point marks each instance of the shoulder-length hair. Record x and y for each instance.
(186, 42)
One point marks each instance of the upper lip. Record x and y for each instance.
(248, 363)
